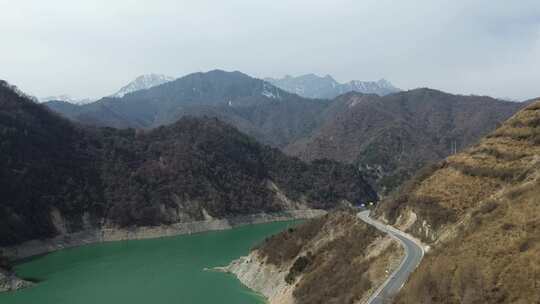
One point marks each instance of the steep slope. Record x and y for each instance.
(143, 82)
(255, 107)
(390, 137)
(332, 259)
(313, 86)
(479, 210)
(58, 178)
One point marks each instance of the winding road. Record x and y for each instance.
(414, 252)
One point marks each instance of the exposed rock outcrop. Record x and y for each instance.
(10, 282)
(267, 279)
(36, 247)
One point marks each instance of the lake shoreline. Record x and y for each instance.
(23, 251)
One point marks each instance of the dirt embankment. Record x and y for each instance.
(91, 236)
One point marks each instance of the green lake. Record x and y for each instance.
(157, 271)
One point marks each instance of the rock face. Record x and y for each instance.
(330, 259)
(266, 279)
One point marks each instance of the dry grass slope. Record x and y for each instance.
(329, 258)
(488, 251)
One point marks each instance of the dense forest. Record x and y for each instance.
(53, 170)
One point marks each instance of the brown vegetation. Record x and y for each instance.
(328, 258)
(495, 260)
(391, 137)
(490, 251)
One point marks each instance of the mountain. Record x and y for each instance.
(59, 178)
(140, 83)
(68, 99)
(390, 137)
(387, 137)
(479, 212)
(143, 82)
(313, 86)
(254, 106)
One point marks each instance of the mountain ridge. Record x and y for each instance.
(257, 108)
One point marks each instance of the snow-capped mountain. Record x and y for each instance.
(67, 98)
(314, 86)
(143, 82)
(381, 87)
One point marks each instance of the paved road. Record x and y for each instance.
(413, 255)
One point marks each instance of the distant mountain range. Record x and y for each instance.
(140, 83)
(388, 137)
(68, 99)
(309, 86)
(254, 106)
(313, 86)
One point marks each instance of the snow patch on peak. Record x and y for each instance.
(270, 91)
(68, 99)
(143, 82)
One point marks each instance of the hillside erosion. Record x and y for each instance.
(332, 259)
(111, 234)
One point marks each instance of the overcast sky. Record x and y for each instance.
(92, 48)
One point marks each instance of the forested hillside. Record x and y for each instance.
(391, 137)
(59, 177)
(387, 137)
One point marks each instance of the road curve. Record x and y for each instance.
(414, 252)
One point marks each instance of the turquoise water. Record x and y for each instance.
(157, 271)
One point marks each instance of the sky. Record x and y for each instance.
(92, 48)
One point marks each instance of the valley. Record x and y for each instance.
(269, 152)
(222, 150)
